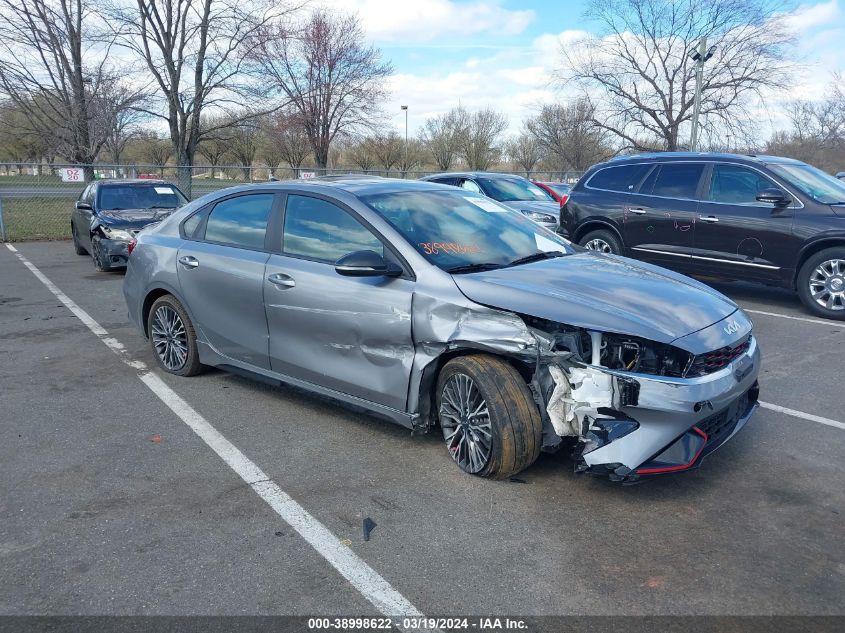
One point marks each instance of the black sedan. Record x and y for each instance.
(110, 213)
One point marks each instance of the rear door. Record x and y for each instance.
(660, 219)
(221, 275)
(350, 334)
(738, 236)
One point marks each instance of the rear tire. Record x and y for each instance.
(489, 419)
(173, 338)
(80, 250)
(821, 283)
(602, 241)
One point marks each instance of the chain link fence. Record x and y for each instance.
(36, 200)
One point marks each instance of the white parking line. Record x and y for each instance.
(805, 416)
(795, 318)
(360, 575)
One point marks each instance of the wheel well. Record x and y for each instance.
(596, 225)
(428, 396)
(812, 250)
(149, 300)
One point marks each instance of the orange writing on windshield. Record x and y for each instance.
(435, 248)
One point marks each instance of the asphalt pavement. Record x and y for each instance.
(111, 504)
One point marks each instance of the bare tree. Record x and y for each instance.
(18, 143)
(287, 135)
(196, 52)
(568, 136)
(387, 149)
(54, 74)
(244, 137)
(334, 81)
(361, 154)
(214, 146)
(524, 150)
(118, 105)
(441, 136)
(411, 156)
(639, 63)
(154, 150)
(479, 135)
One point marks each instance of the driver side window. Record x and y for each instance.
(732, 184)
(470, 185)
(319, 230)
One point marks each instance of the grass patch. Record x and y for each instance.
(37, 218)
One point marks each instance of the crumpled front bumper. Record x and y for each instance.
(675, 422)
(115, 252)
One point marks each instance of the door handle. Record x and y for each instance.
(189, 262)
(281, 280)
(637, 210)
(708, 218)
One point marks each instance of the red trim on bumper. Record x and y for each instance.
(672, 469)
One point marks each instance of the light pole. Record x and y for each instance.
(405, 108)
(699, 56)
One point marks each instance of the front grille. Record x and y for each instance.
(719, 425)
(710, 362)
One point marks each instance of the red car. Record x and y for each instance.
(557, 190)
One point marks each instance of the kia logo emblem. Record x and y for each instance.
(731, 328)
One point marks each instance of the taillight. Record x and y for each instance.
(563, 199)
(131, 246)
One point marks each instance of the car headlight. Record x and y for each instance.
(540, 217)
(117, 234)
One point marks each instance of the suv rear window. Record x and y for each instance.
(621, 178)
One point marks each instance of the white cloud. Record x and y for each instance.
(404, 22)
(809, 16)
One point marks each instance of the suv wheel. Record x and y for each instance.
(489, 420)
(602, 241)
(821, 283)
(173, 338)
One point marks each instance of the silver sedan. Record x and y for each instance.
(437, 307)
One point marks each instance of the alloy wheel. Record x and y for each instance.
(465, 421)
(827, 284)
(169, 338)
(598, 244)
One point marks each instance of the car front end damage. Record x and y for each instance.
(632, 408)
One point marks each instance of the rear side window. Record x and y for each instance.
(240, 221)
(621, 178)
(674, 180)
(320, 230)
(733, 184)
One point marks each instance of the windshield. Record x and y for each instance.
(463, 230)
(813, 182)
(152, 196)
(511, 189)
(559, 187)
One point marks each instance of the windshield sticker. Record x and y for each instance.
(487, 205)
(545, 244)
(164, 190)
(435, 248)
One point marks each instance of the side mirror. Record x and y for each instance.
(84, 206)
(774, 196)
(366, 264)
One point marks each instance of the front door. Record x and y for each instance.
(660, 218)
(350, 334)
(738, 236)
(221, 276)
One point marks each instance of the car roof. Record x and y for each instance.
(467, 174)
(355, 184)
(752, 159)
(111, 182)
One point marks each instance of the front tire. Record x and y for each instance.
(173, 338)
(821, 283)
(490, 421)
(602, 241)
(100, 259)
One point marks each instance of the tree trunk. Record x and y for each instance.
(184, 171)
(88, 172)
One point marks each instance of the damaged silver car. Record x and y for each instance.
(437, 307)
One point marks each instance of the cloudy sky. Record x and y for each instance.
(501, 53)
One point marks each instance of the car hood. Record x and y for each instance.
(550, 207)
(133, 218)
(606, 293)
